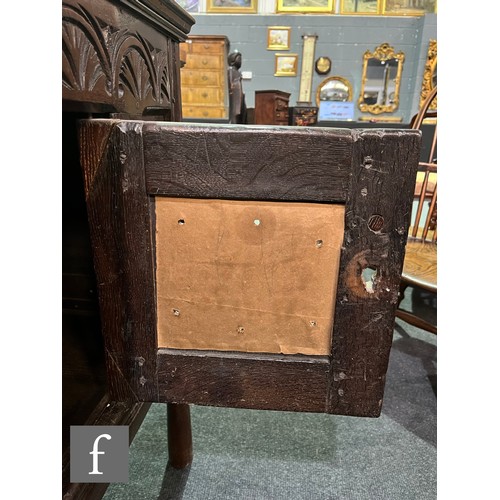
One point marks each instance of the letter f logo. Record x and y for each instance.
(95, 452)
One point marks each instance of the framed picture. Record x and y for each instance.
(323, 65)
(229, 6)
(286, 65)
(189, 5)
(408, 8)
(305, 5)
(369, 7)
(278, 38)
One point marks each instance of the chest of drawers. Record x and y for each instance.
(204, 86)
(271, 107)
(119, 59)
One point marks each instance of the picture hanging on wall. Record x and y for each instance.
(278, 38)
(286, 65)
(232, 6)
(305, 6)
(192, 6)
(369, 7)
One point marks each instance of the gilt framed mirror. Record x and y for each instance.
(429, 80)
(380, 81)
(334, 88)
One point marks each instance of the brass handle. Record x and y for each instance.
(204, 77)
(204, 94)
(204, 61)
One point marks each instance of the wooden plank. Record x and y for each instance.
(247, 276)
(120, 226)
(378, 208)
(237, 380)
(247, 162)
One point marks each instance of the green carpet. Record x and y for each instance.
(266, 455)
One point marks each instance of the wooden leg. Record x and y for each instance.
(402, 288)
(180, 441)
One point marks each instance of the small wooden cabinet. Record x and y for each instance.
(120, 58)
(204, 86)
(271, 107)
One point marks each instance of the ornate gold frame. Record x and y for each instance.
(344, 10)
(383, 52)
(430, 66)
(346, 82)
(310, 6)
(279, 71)
(224, 8)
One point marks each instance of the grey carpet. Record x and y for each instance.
(265, 455)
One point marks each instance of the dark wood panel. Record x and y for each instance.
(239, 380)
(122, 56)
(119, 220)
(378, 212)
(242, 162)
(118, 57)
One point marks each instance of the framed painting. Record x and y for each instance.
(230, 6)
(192, 6)
(408, 7)
(366, 7)
(286, 65)
(318, 6)
(278, 38)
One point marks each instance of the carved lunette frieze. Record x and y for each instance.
(113, 64)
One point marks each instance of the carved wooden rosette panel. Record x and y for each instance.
(430, 69)
(112, 65)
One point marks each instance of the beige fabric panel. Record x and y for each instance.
(247, 276)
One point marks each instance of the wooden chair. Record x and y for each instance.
(247, 266)
(420, 263)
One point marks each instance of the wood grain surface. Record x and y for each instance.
(420, 265)
(247, 162)
(372, 171)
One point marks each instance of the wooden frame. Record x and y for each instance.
(127, 164)
(278, 37)
(286, 64)
(405, 8)
(225, 7)
(323, 65)
(307, 6)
